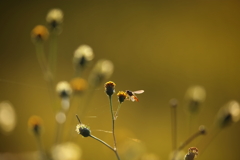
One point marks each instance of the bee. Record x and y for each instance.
(131, 95)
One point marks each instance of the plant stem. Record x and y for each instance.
(40, 148)
(190, 139)
(202, 146)
(174, 127)
(103, 142)
(59, 130)
(78, 119)
(60, 125)
(113, 128)
(46, 71)
(173, 105)
(41, 57)
(116, 114)
(52, 57)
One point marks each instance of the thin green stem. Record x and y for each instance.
(41, 58)
(60, 126)
(173, 105)
(113, 127)
(190, 139)
(116, 114)
(113, 121)
(202, 146)
(78, 119)
(40, 148)
(52, 57)
(103, 142)
(174, 127)
(82, 109)
(46, 72)
(59, 130)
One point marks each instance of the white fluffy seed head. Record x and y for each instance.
(196, 93)
(54, 18)
(195, 96)
(234, 110)
(101, 71)
(7, 117)
(228, 114)
(63, 89)
(82, 55)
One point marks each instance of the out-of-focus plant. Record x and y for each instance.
(195, 96)
(68, 92)
(75, 95)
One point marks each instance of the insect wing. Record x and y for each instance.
(138, 92)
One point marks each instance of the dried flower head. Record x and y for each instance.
(109, 88)
(101, 71)
(64, 89)
(173, 103)
(39, 33)
(54, 19)
(78, 85)
(195, 96)
(228, 114)
(192, 153)
(82, 56)
(121, 96)
(202, 129)
(83, 130)
(35, 124)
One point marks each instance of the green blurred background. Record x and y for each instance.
(160, 46)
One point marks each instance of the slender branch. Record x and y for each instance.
(206, 142)
(41, 58)
(116, 114)
(174, 127)
(113, 128)
(41, 148)
(103, 142)
(78, 119)
(173, 105)
(113, 122)
(52, 57)
(190, 139)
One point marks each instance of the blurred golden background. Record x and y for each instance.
(159, 46)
